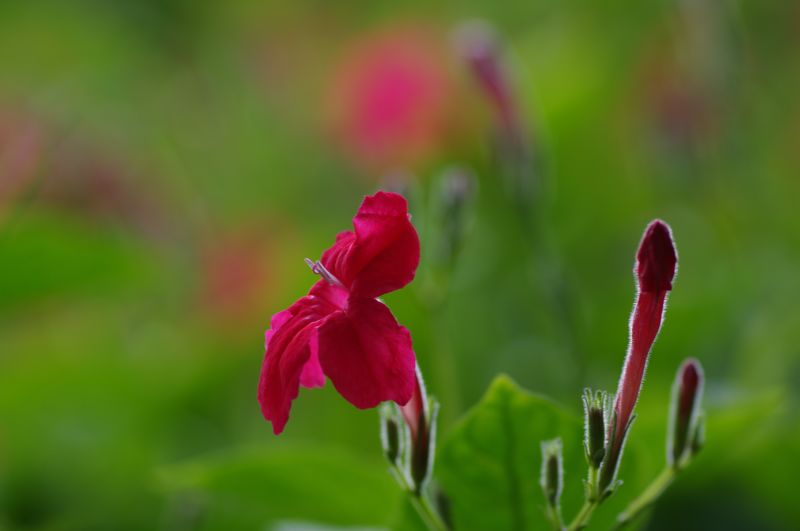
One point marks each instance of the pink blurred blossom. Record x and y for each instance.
(21, 149)
(234, 275)
(390, 99)
(87, 177)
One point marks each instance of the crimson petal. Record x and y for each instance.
(289, 353)
(382, 254)
(367, 355)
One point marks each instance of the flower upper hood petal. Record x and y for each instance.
(381, 254)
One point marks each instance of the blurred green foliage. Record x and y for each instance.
(165, 166)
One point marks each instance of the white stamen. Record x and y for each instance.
(318, 269)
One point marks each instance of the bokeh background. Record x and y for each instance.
(165, 166)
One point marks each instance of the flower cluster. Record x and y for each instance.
(342, 331)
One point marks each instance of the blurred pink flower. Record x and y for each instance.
(390, 99)
(21, 147)
(234, 276)
(86, 177)
(679, 98)
(679, 108)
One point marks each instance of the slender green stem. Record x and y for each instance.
(554, 515)
(646, 498)
(593, 499)
(593, 492)
(427, 513)
(581, 519)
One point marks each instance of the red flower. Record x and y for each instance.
(340, 330)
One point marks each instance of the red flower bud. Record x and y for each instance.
(481, 50)
(655, 269)
(656, 262)
(656, 259)
(685, 407)
(421, 426)
(479, 47)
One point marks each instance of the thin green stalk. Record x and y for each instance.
(427, 513)
(554, 515)
(646, 498)
(593, 499)
(581, 519)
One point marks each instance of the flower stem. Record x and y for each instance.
(646, 498)
(554, 515)
(593, 499)
(427, 513)
(581, 519)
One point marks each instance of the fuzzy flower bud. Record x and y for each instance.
(420, 417)
(480, 47)
(596, 408)
(552, 479)
(656, 262)
(698, 435)
(687, 393)
(391, 439)
(452, 212)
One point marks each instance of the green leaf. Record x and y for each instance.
(252, 488)
(489, 465)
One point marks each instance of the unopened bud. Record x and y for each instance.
(457, 188)
(478, 44)
(656, 260)
(480, 47)
(596, 407)
(552, 480)
(423, 448)
(699, 435)
(684, 407)
(391, 439)
(452, 215)
(656, 263)
(420, 415)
